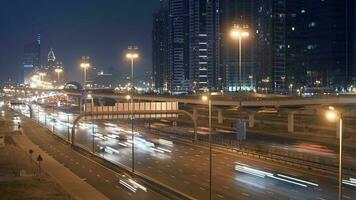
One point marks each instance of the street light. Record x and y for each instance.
(132, 56)
(85, 65)
(332, 115)
(42, 74)
(58, 71)
(206, 98)
(238, 34)
(291, 89)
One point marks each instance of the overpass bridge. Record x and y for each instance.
(247, 103)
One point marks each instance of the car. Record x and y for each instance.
(127, 181)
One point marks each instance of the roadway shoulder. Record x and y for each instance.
(71, 183)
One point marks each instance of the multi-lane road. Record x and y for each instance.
(185, 166)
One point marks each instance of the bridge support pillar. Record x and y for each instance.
(251, 120)
(290, 122)
(195, 113)
(220, 116)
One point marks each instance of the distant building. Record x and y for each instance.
(51, 66)
(31, 59)
(51, 58)
(104, 79)
(160, 47)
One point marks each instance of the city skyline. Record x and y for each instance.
(178, 99)
(71, 35)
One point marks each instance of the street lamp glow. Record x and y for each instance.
(331, 115)
(85, 65)
(237, 33)
(205, 98)
(128, 97)
(58, 70)
(89, 96)
(131, 55)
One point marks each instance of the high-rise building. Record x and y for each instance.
(320, 38)
(178, 46)
(51, 58)
(204, 32)
(31, 59)
(160, 47)
(279, 45)
(264, 39)
(352, 38)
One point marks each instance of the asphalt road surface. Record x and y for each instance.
(185, 166)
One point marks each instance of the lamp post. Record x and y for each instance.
(85, 65)
(238, 34)
(132, 56)
(206, 98)
(41, 75)
(89, 96)
(333, 115)
(58, 71)
(291, 89)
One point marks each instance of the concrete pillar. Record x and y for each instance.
(290, 122)
(251, 120)
(195, 113)
(220, 117)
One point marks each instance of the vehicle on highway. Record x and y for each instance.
(127, 181)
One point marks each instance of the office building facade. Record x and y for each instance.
(160, 48)
(204, 39)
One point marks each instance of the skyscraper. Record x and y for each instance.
(31, 58)
(51, 58)
(320, 41)
(160, 47)
(178, 46)
(204, 32)
(279, 45)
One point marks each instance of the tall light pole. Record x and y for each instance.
(238, 34)
(132, 56)
(58, 71)
(85, 65)
(42, 74)
(206, 98)
(333, 115)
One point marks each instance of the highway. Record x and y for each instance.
(102, 178)
(185, 166)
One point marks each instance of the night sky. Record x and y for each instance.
(101, 29)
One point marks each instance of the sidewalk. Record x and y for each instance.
(71, 183)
